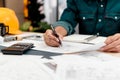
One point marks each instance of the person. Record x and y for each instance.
(93, 17)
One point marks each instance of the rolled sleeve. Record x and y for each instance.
(66, 25)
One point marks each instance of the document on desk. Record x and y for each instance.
(67, 47)
(81, 38)
(79, 67)
(24, 68)
(71, 46)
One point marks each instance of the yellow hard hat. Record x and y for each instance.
(9, 18)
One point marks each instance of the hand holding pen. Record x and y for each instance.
(56, 35)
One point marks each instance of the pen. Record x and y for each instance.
(91, 37)
(56, 35)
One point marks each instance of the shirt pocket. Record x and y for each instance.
(86, 16)
(112, 19)
(113, 16)
(86, 22)
(112, 22)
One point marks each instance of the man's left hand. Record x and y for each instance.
(112, 44)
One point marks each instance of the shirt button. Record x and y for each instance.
(101, 5)
(116, 17)
(99, 20)
(83, 18)
(98, 34)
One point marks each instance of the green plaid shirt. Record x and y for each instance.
(93, 16)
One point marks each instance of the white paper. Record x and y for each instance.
(69, 44)
(80, 38)
(23, 68)
(67, 47)
(94, 66)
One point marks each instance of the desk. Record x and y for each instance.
(32, 67)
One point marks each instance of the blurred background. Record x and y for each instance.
(35, 15)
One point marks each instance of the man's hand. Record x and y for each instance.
(112, 44)
(51, 40)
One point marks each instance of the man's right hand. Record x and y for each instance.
(50, 39)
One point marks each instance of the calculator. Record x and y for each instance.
(17, 49)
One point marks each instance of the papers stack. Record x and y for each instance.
(72, 44)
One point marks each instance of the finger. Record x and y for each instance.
(49, 35)
(111, 45)
(110, 39)
(118, 48)
(51, 42)
(57, 39)
(50, 39)
(111, 50)
(114, 49)
(60, 37)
